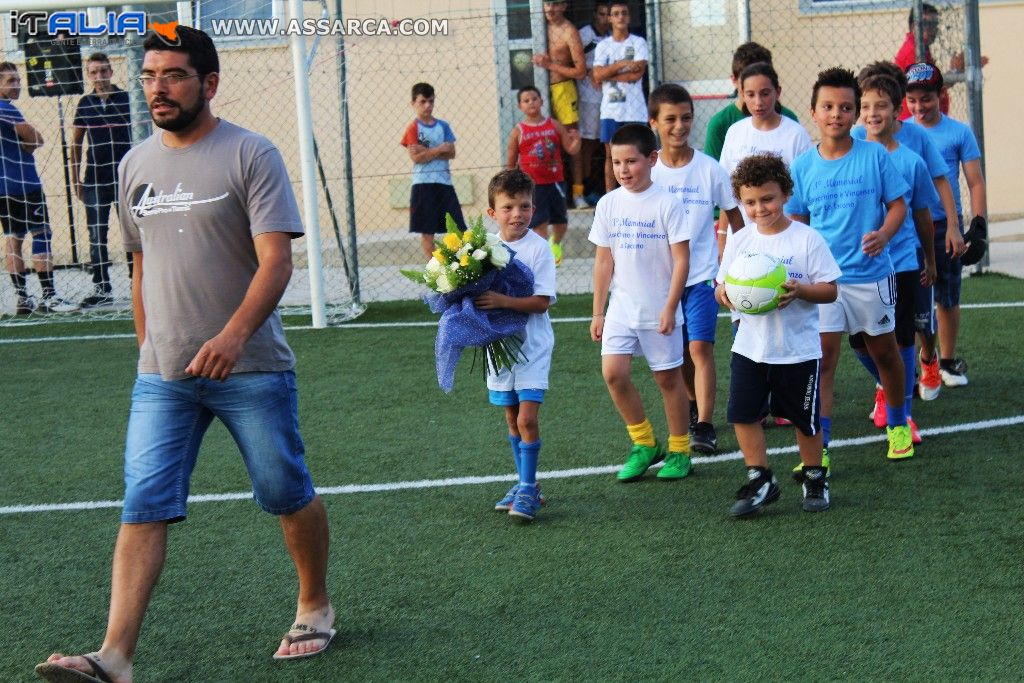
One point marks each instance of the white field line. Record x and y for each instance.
(372, 326)
(495, 478)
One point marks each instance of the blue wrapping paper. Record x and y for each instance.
(462, 325)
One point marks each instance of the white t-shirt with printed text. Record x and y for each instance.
(638, 229)
(788, 335)
(621, 101)
(700, 186)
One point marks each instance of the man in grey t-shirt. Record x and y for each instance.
(208, 213)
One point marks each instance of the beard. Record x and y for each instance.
(185, 116)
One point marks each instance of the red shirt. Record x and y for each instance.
(539, 152)
(906, 56)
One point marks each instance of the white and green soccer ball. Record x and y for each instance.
(754, 283)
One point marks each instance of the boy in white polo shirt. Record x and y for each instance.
(642, 260)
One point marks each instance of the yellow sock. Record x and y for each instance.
(679, 444)
(577, 190)
(642, 434)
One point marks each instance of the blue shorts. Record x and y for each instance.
(166, 427)
(428, 203)
(700, 311)
(514, 398)
(947, 270)
(609, 126)
(549, 205)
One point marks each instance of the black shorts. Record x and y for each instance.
(907, 284)
(948, 269)
(789, 391)
(24, 213)
(549, 205)
(428, 204)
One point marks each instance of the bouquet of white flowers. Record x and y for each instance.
(464, 265)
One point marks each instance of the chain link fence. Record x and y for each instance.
(476, 56)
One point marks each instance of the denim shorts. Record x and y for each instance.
(166, 427)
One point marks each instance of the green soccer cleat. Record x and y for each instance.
(640, 459)
(556, 250)
(677, 466)
(901, 443)
(798, 471)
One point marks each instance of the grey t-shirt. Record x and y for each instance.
(193, 212)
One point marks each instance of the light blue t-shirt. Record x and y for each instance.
(845, 199)
(435, 170)
(957, 145)
(914, 138)
(922, 195)
(18, 174)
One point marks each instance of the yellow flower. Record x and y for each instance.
(467, 236)
(464, 261)
(439, 255)
(452, 241)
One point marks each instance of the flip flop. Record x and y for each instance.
(308, 633)
(61, 674)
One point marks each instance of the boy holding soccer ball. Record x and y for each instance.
(776, 355)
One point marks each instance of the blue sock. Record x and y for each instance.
(529, 454)
(895, 416)
(909, 377)
(826, 429)
(869, 365)
(516, 456)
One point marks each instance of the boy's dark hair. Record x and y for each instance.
(760, 169)
(8, 66)
(522, 91)
(925, 10)
(924, 76)
(424, 89)
(747, 54)
(98, 57)
(889, 69)
(640, 136)
(667, 93)
(202, 54)
(613, 3)
(759, 69)
(510, 182)
(885, 85)
(836, 77)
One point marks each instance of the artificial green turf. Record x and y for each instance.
(913, 575)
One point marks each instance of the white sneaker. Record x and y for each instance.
(55, 304)
(580, 203)
(955, 376)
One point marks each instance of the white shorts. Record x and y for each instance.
(533, 374)
(663, 351)
(869, 308)
(590, 120)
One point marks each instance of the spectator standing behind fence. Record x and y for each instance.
(620, 62)
(535, 145)
(590, 101)
(431, 145)
(103, 118)
(22, 202)
(217, 260)
(565, 62)
(907, 54)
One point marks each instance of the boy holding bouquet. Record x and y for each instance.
(520, 390)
